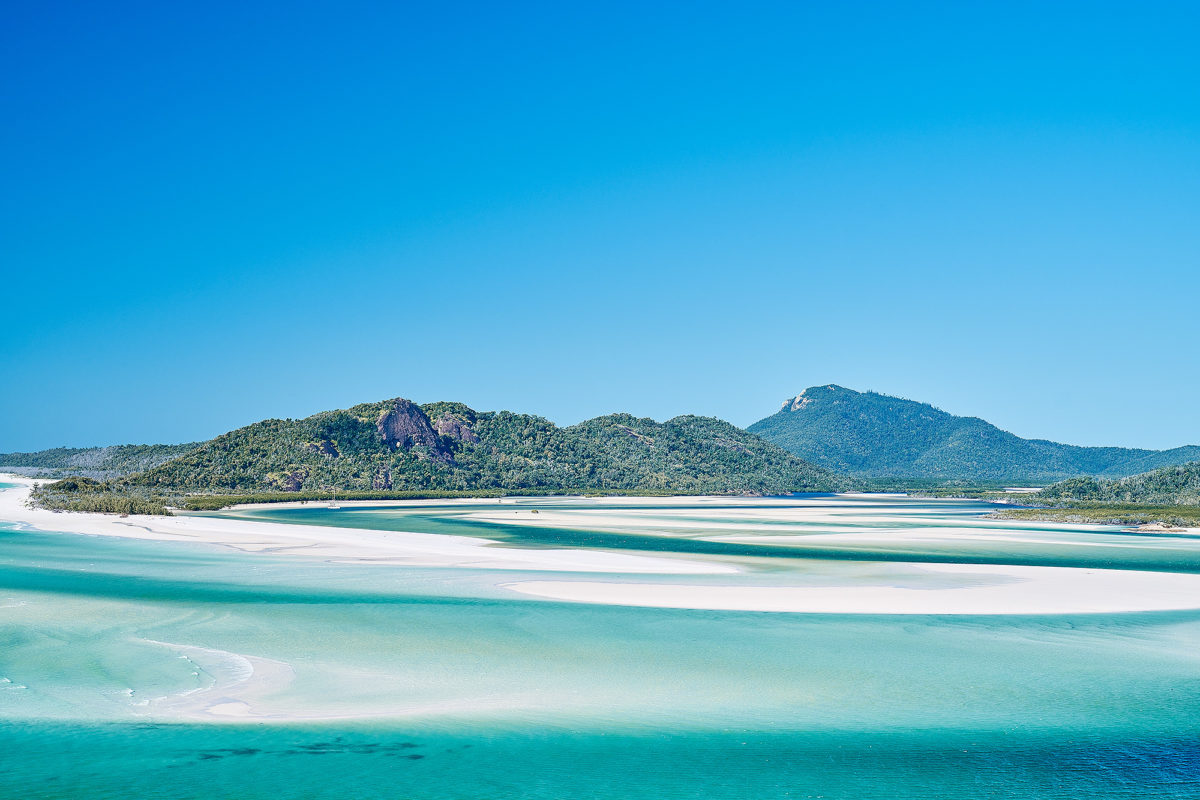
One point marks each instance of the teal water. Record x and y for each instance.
(189, 761)
(421, 682)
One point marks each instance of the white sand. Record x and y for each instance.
(972, 589)
(341, 544)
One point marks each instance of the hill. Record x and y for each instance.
(878, 436)
(397, 445)
(94, 462)
(1169, 486)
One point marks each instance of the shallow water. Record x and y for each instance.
(386, 681)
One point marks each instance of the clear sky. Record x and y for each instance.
(217, 212)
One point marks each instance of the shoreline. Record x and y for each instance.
(1182, 519)
(346, 545)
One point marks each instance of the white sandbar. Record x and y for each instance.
(972, 589)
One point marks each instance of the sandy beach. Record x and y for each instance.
(337, 544)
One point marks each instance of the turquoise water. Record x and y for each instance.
(422, 682)
(1059, 545)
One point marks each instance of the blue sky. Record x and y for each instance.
(216, 213)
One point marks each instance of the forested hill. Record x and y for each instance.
(875, 435)
(94, 462)
(398, 445)
(1173, 486)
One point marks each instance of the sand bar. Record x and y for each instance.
(950, 589)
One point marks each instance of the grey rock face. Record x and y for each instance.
(455, 427)
(405, 425)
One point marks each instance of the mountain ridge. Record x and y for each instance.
(108, 461)
(873, 435)
(397, 445)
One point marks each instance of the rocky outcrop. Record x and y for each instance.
(455, 427)
(405, 425)
(641, 437)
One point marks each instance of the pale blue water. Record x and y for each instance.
(439, 683)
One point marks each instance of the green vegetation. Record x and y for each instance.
(1108, 514)
(928, 487)
(346, 451)
(397, 450)
(95, 462)
(876, 436)
(1170, 495)
(1178, 485)
(87, 494)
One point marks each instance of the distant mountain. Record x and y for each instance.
(878, 436)
(94, 462)
(398, 445)
(1174, 486)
